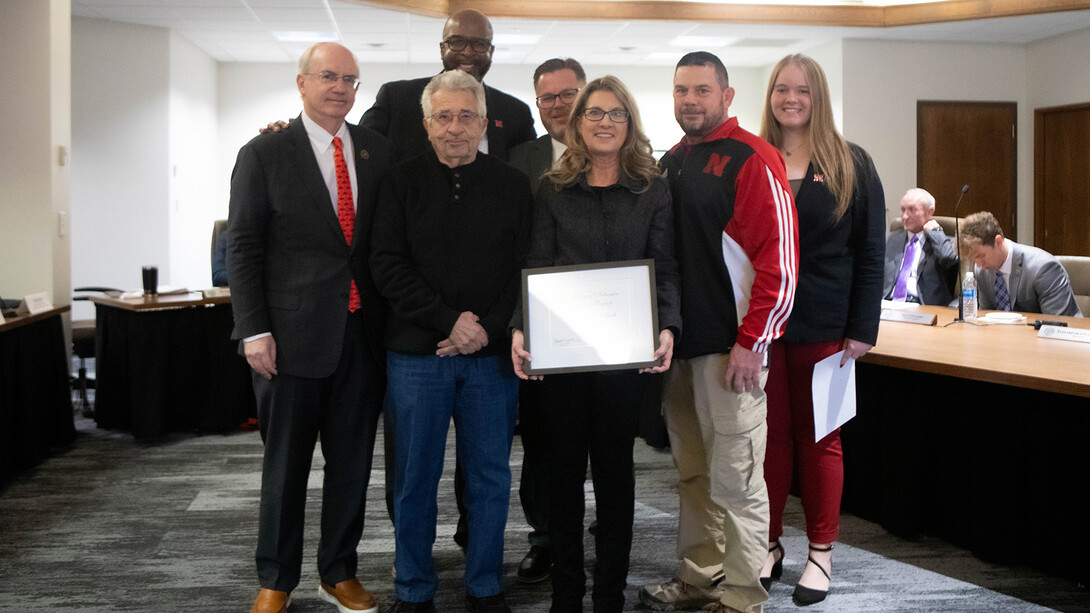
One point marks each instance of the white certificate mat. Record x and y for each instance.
(834, 394)
(590, 317)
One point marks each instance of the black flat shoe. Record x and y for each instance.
(805, 596)
(777, 568)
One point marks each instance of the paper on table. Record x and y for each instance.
(833, 388)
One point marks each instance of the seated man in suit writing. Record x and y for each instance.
(1013, 277)
(921, 261)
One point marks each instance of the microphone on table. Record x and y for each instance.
(957, 239)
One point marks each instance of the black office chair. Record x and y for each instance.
(219, 253)
(83, 346)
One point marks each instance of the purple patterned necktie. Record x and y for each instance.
(900, 291)
(1002, 296)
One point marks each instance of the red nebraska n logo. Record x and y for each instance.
(716, 164)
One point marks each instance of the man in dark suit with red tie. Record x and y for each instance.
(466, 45)
(311, 324)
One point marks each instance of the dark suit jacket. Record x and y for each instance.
(290, 265)
(534, 158)
(938, 267)
(1038, 283)
(398, 116)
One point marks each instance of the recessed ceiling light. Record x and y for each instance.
(701, 42)
(306, 37)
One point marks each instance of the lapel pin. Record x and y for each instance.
(364, 155)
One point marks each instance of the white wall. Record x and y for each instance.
(193, 165)
(1059, 71)
(35, 68)
(120, 152)
(884, 79)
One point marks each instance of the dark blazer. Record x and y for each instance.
(938, 267)
(534, 158)
(840, 261)
(290, 265)
(1038, 283)
(398, 116)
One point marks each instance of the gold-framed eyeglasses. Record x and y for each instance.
(458, 43)
(446, 118)
(567, 96)
(350, 81)
(615, 115)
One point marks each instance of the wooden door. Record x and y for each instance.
(1061, 179)
(969, 143)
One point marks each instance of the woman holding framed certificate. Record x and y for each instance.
(841, 211)
(605, 201)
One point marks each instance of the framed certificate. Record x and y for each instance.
(590, 317)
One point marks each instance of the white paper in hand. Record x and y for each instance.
(834, 394)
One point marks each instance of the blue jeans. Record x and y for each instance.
(481, 394)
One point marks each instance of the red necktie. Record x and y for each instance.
(346, 212)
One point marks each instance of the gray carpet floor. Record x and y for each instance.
(114, 524)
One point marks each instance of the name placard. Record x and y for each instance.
(910, 317)
(1064, 334)
(35, 303)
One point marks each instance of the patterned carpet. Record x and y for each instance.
(113, 524)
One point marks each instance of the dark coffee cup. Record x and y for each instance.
(151, 279)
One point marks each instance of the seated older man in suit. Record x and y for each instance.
(921, 261)
(1013, 277)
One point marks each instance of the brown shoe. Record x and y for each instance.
(271, 601)
(349, 596)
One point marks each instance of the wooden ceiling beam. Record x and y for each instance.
(844, 16)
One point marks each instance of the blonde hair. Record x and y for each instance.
(636, 158)
(829, 151)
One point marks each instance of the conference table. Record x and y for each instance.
(35, 398)
(977, 434)
(166, 363)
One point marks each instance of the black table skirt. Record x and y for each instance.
(35, 398)
(169, 370)
(993, 468)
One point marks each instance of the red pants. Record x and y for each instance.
(791, 438)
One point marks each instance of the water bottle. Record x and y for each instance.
(968, 296)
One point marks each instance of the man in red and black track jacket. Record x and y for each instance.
(737, 248)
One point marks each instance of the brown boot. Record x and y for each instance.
(271, 601)
(349, 596)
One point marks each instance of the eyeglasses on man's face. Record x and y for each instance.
(458, 43)
(446, 118)
(549, 100)
(615, 115)
(350, 81)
